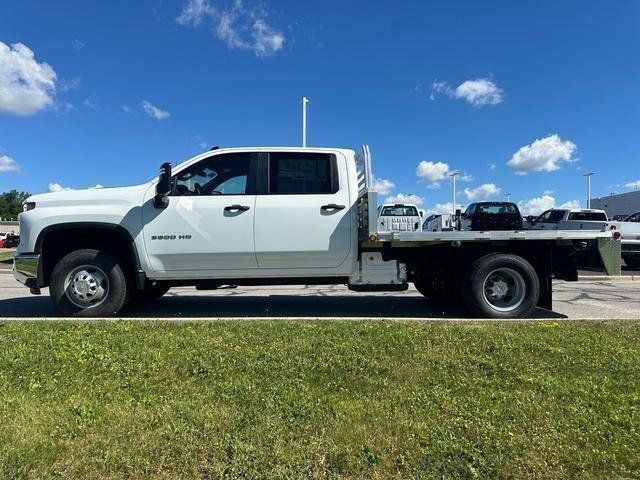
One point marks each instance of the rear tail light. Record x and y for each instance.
(28, 206)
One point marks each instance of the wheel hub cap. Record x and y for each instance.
(86, 287)
(504, 289)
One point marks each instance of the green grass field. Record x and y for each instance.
(284, 399)
(6, 256)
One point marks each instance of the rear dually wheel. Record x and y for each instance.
(502, 286)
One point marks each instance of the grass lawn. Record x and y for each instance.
(6, 256)
(284, 399)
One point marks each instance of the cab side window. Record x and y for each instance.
(217, 175)
(544, 217)
(555, 216)
(302, 173)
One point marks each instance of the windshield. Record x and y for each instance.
(400, 211)
(507, 208)
(588, 216)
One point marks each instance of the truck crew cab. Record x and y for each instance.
(256, 216)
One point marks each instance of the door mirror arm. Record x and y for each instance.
(163, 187)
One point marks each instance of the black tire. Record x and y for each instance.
(105, 271)
(150, 293)
(501, 286)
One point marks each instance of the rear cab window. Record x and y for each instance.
(292, 173)
(399, 211)
(497, 209)
(588, 216)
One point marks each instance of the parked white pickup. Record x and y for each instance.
(628, 231)
(399, 217)
(275, 215)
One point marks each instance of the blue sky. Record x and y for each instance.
(522, 97)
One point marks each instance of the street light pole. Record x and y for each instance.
(508, 195)
(453, 176)
(305, 100)
(589, 175)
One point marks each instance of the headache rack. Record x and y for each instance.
(367, 198)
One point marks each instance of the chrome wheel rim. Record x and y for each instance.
(504, 289)
(86, 286)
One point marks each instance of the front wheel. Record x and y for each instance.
(88, 283)
(502, 286)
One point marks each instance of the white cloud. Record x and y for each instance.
(442, 208)
(266, 40)
(67, 85)
(383, 186)
(56, 187)
(466, 177)
(88, 103)
(78, 45)
(8, 164)
(633, 185)
(194, 11)
(570, 204)
(432, 171)
(478, 92)
(544, 155)
(239, 27)
(492, 166)
(63, 107)
(405, 198)
(483, 192)
(154, 111)
(26, 86)
(126, 108)
(537, 205)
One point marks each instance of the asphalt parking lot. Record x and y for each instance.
(594, 299)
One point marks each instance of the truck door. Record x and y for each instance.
(208, 224)
(304, 218)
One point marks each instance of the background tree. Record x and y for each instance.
(11, 204)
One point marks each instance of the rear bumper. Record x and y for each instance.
(26, 267)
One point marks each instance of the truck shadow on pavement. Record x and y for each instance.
(278, 306)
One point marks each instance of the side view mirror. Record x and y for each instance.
(163, 187)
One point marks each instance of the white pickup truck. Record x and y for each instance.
(261, 216)
(570, 219)
(628, 230)
(399, 217)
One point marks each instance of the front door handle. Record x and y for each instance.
(232, 208)
(332, 206)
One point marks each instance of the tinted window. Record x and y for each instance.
(633, 218)
(399, 211)
(589, 216)
(555, 216)
(218, 175)
(300, 173)
(507, 208)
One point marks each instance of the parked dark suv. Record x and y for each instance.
(487, 216)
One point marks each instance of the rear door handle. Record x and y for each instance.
(332, 206)
(231, 208)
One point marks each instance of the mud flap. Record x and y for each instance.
(610, 253)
